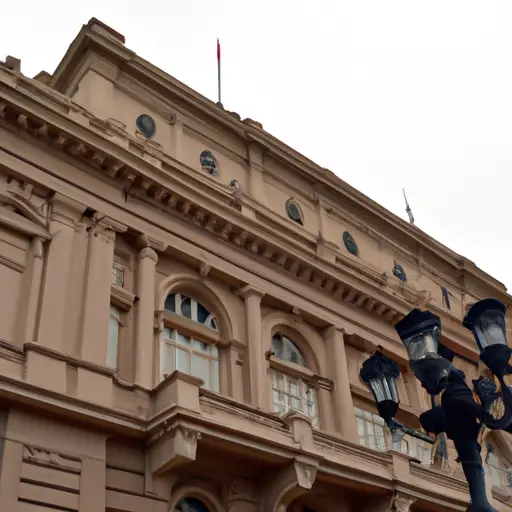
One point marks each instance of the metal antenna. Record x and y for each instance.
(408, 208)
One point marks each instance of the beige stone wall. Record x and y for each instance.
(81, 191)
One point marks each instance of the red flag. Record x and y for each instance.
(218, 50)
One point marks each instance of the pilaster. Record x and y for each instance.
(10, 474)
(32, 281)
(92, 485)
(58, 275)
(95, 313)
(344, 416)
(256, 181)
(252, 298)
(144, 317)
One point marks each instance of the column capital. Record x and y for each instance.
(147, 252)
(249, 290)
(333, 330)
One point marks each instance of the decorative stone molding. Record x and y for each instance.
(301, 429)
(44, 457)
(173, 448)
(402, 502)
(147, 252)
(242, 496)
(296, 479)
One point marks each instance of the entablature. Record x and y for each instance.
(145, 175)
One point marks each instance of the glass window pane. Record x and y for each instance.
(166, 333)
(170, 303)
(181, 339)
(165, 359)
(182, 360)
(201, 369)
(201, 346)
(202, 314)
(215, 376)
(186, 307)
(295, 404)
(360, 427)
(280, 381)
(214, 351)
(113, 342)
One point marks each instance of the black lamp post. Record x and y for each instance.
(458, 414)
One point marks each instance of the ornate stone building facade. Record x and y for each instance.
(186, 304)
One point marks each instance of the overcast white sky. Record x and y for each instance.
(386, 94)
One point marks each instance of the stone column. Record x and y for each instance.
(58, 277)
(95, 313)
(344, 415)
(252, 297)
(32, 280)
(144, 317)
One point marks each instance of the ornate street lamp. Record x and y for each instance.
(457, 414)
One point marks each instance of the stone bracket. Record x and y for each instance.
(295, 479)
(174, 448)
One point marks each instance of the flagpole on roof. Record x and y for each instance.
(218, 72)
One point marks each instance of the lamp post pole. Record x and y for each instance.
(457, 414)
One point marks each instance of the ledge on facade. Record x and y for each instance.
(32, 346)
(322, 274)
(233, 406)
(123, 297)
(177, 390)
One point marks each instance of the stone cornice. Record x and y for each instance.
(97, 36)
(146, 183)
(110, 150)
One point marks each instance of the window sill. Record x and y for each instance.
(121, 297)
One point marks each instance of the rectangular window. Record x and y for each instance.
(371, 430)
(114, 329)
(416, 448)
(446, 298)
(187, 355)
(290, 393)
(118, 275)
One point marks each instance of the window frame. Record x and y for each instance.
(291, 201)
(192, 329)
(377, 421)
(304, 375)
(118, 319)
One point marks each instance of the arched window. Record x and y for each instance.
(191, 505)
(292, 386)
(188, 340)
